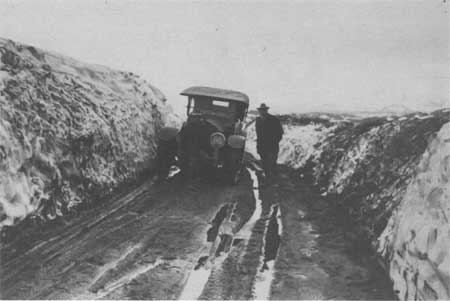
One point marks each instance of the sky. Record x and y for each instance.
(296, 56)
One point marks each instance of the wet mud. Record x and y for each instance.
(199, 241)
(216, 222)
(272, 238)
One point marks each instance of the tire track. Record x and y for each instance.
(206, 263)
(233, 276)
(142, 246)
(271, 243)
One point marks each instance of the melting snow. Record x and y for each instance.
(198, 278)
(299, 143)
(414, 242)
(266, 269)
(246, 230)
(351, 161)
(113, 264)
(195, 284)
(70, 129)
(263, 282)
(419, 228)
(127, 278)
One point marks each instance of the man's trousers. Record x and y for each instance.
(269, 163)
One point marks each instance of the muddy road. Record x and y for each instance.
(197, 241)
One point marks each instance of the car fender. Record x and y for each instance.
(167, 133)
(236, 141)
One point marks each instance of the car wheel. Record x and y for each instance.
(234, 167)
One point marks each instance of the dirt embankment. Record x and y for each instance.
(390, 174)
(70, 132)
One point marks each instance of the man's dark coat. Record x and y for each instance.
(268, 134)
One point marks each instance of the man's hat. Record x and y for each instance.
(263, 107)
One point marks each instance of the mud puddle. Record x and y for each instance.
(271, 244)
(212, 232)
(221, 238)
(246, 230)
(273, 235)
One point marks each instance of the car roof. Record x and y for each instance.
(216, 93)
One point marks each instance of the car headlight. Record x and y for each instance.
(217, 140)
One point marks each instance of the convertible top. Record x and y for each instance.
(216, 93)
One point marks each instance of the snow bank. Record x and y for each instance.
(417, 237)
(69, 132)
(299, 143)
(391, 173)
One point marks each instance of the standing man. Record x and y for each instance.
(268, 135)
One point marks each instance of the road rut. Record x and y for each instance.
(200, 240)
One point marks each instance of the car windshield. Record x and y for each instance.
(221, 110)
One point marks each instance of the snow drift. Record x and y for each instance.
(417, 237)
(69, 132)
(391, 173)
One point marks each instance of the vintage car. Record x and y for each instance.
(211, 140)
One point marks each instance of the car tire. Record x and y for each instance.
(234, 168)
